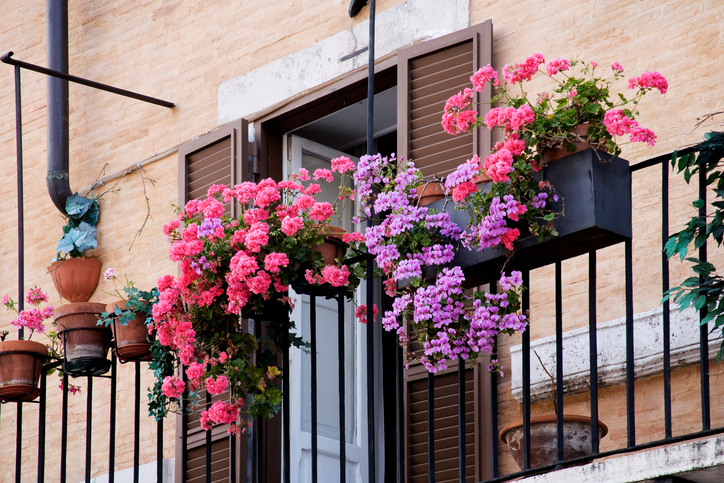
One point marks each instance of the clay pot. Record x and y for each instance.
(85, 342)
(333, 246)
(132, 341)
(581, 131)
(75, 279)
(429, 192)
(20, 371)
(543, 438)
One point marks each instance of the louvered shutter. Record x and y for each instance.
(427, 75)
(219, 157)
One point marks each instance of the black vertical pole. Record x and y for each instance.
(184, 431)
(137, 424)
(430, 427)
(159, 451)
(370, 376)
(208, 443)
(703, 329)
(461, 421)
(525, 305)
(593, 348)
(630, 407)
(494, 403)
(400, 381)
(64, 429)
(21, 257)
(664, 288)
(286, 414)
(112, 443)
(342, 392)
(371, 82)
(88, 429)
(41, 429)
(313, 340)
(559, 361)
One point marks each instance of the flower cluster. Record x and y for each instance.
(33, 318)
(242, 267)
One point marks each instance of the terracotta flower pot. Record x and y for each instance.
(75, 279)
(544, 435)
(582, 143)
(333, 246)
(85, 342)
(132, 341)
(21, 362)
(429, 192)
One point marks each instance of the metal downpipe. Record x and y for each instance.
(58, 180)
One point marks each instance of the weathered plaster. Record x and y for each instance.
(611, 337)
(404, 24)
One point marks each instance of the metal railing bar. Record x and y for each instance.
(525, 305)
(400, 383)
(606, 454)
(664, 288)
(342, 393)
(79, 80)
(630, 406)
(159, 451)
(88, 429)
(137, 424)
(184, 430)
(494, 404)
(315, 421)
(19, 443)
(232, 459)
(21, 256)
(41, 428)
(663, 158)
(703, 329)
(371, 462)
(461, 420)
(207, 467)
(112, 442)
(64, 429)
(286, 433)
(430, 427)
(593, 349)
(559, 362)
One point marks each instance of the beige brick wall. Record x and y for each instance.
(183, 51)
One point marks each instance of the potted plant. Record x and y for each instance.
(437, 250)
(232, 268)
(544, 434)
(75, 276)
(129, 319)
(21, 361)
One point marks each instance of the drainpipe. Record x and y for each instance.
(58, 180)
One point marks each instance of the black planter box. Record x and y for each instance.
(597, 196)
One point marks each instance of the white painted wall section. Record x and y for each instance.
(404, 24)
(611, 337)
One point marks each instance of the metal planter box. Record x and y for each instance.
(597, 196)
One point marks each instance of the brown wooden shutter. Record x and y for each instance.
(427, 75)
(219, 157)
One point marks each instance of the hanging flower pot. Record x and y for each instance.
(544, 438)
(85, 342)
(429, 192)
(132, 342)
(75, 279)
(333, 246)
(21, 362)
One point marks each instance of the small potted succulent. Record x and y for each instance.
(129, 319)
(76, 276)
(21, 361)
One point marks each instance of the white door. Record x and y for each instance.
(303, 153)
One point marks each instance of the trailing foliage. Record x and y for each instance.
(704, 290)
